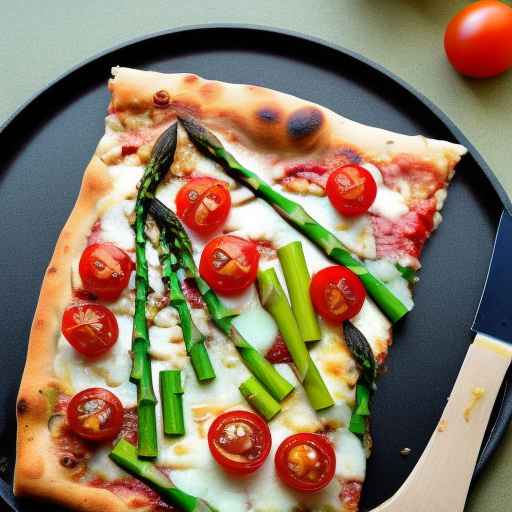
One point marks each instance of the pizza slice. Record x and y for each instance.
(219, 302)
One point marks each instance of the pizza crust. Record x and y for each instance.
(263, 118)
(38, 471)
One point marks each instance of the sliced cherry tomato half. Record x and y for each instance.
(337, 293)
(95, 414)
(91, 329)
(229, 264)
(305, 462)
(478, 40)
(240, 441)
(105, 270)
(203, 204)
(351, 190)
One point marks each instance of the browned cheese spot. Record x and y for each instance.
(304, 122)
(52, 270)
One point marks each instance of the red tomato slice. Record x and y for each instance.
(305, 462)
(105, 270)
(95, 414)
(337, 293)
(478, 40)
(240, 441)
(351, 190)
(91, 329)
(203, 204)
(229, 264)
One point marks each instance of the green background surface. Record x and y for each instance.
(42, 39)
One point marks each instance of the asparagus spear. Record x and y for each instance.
(171, 392)
(162, 155)
(293, 263)
(275, 302)
(259, 398)
(221, 316)
(194, 339)
(295, 214)
(125, 455)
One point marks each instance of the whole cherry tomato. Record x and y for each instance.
(478, 40)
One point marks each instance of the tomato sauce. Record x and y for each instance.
(133, 491)
(278, 352)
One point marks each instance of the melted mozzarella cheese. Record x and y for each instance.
(115, 227)
(388, 203)
(257, 325)
(111, 371)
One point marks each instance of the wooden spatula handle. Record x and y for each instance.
(441, 478)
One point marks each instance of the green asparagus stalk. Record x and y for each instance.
(361, 411)
(293, 263)
(259, 398)
(274, 301)
(171, 392)
(221, 316)
(161, 158)
(295, 214)
(124, 454)
(194, 339)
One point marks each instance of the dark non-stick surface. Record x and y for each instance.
(47, 145)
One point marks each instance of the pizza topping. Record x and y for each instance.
(95, 234)
(406, 236)
(239, 441)
(203, 204)
(105, 270)
(161, 99)
(278, 352)
(192, 294)
(305, 462)
(91, 329)
(136, 493)
(337, 293)
(305, 179)
(350, 495)
(351, 190)
(229, 264)
(95, 414)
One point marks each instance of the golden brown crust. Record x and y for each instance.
(38, 472)
(280, 123)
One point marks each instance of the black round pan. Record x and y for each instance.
(48, 142)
